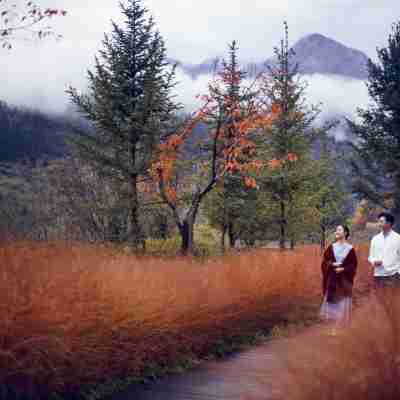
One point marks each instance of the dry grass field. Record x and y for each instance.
(359, 363)
(75, 315)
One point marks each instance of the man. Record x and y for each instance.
(384, 253)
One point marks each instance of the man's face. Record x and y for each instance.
(383, 224)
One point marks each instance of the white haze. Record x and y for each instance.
(337, 96)
(41, 83)
(37, 74)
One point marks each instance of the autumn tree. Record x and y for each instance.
(233, 116)
(129, 104)
(25, 21)
(233, 193)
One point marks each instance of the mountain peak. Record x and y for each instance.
(315, 37)
(314, 53)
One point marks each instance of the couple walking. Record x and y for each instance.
(339, 267)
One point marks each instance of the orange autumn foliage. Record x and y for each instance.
(292, 157)
(275, 163)
(231, 133)
(250, 182)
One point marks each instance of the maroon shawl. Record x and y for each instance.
(337, 286)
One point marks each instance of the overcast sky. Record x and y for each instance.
(37, 74)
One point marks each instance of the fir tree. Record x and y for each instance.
(330, 196)
(129, 104)
(377, 160)
(288, 144)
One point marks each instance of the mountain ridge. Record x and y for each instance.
(315, 54)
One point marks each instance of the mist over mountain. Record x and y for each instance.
(315, 54)
(30, 135)
(335, 75)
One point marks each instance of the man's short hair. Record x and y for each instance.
(388, 217)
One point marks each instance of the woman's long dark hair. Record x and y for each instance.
(346, 231)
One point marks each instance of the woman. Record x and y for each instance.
(339, 266)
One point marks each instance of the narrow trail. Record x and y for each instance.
(254, 374)
(246, 375)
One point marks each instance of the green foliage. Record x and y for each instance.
(287, 149)
(28, 135)
(377, 163)
(299, 195)
(206, 243)
(163, 247)
(330, 194)
(245, 213)
(206, 240)
(225, 207)
(129, 103)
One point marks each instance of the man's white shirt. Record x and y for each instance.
(386, 248)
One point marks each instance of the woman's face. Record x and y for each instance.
(340, 234)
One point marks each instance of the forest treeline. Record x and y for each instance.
(254, 163)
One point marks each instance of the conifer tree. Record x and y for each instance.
(330, 196)
(377, 161)
(288, 143)
(129, 104)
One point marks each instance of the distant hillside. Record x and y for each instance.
(314, 53)
(28, 135)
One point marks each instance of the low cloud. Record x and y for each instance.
(338, 97)
(37, 74)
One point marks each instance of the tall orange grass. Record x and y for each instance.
(359, 363)
(74, 315)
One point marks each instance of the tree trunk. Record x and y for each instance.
(186, 229)
(292, 242)
(396, 206)
(223, 233)
(163, 230)
(282, 240)
(231, 234)
(187, 235)
(135, 237)
(323, 238)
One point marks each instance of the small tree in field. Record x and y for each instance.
(25, 21)
(233, 114)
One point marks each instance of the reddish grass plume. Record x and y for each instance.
(361, 362)
(75, 314)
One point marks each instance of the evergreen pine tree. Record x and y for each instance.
(377, 161)
(129, 104)
(288, 144)
(330, 196)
